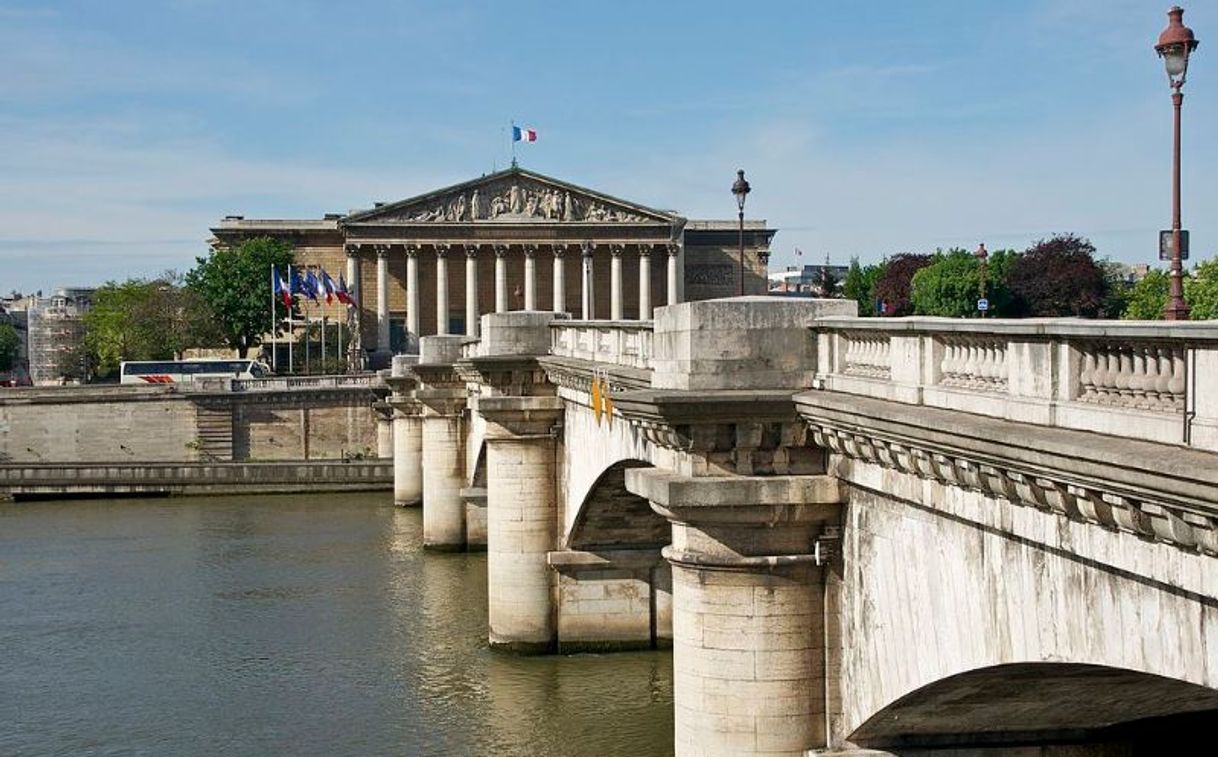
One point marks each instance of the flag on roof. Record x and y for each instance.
(523, 134)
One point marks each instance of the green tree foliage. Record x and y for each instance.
(860, 283)
(9, 344)
(1201, 291)
(141, 319)
(1147, 297)
(1058, 277)
(235, 284)
(892, 284)
(951, 285)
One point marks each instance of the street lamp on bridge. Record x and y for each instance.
(1174, 46)
(740, 188)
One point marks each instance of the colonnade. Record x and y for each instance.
(558, 304)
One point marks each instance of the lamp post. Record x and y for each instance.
(741, 189)
(981, 254)
(1175, 44)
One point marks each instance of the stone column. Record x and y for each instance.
(530, 277)
(501, 290)
(644, 282)
(748, 608)
(615, 282)
(412, 290)
(560, 281)
(355, 349)
(442, 289)
(588, 296)
(471, 290)
(382, 298)
(442, 395)
(407, 451)
(522, 520)
(673, 251)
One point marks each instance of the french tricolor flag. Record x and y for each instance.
(522, 134)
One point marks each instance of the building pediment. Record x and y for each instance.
(514, 196)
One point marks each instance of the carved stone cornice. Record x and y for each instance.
(514, 375)
(573, 373)
(1115, 483)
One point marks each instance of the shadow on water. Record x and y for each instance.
(264, 625)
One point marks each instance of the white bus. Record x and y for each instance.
(185, 371)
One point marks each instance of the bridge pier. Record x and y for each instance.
(522, 519)
(749, 634)
(407, 452)
(443, 397)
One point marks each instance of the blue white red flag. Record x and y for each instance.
(280, 287)
(341, 293)
(523, 134)
(328, 286)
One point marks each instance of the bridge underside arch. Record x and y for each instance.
(610, 517)
(1041, 703)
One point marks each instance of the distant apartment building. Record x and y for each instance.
(56, 334)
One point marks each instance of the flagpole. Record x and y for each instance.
(274, 357)
(512, 138)
(342, 356)
(291, 325)
(323, 341)
(308, 371)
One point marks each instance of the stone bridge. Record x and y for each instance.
(903, 535)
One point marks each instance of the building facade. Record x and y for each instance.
(511, 240)
(56, 335)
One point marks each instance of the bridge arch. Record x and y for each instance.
(612, 517)
(1036, 703)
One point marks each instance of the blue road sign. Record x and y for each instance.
(983, 304)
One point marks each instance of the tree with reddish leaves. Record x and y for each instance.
(892, 288)
(1058, 277)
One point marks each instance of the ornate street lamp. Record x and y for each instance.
(1175, 44)
(741, 189)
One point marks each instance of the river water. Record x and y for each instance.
(283, 625)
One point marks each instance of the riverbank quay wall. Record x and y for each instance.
(888, 534)
(278, 419)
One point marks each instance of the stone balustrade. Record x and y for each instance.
(624, 343)
(282, 383)
(1144, 380)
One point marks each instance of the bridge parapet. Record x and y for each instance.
(622, 343)
(1144, 380)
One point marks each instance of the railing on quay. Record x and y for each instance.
(1138, 379)
(284, 383)
(623, 343)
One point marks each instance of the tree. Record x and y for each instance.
(892, 284)
(9, 344)
(234, 282)
(1147, 297)
(1201, 291)
(1058, 277)
(141, 319)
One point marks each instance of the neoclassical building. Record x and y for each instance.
(512, 240)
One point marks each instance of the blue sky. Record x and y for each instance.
(127, 128)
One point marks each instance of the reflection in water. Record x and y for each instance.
(265, 625)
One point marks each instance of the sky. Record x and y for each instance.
(866, 129)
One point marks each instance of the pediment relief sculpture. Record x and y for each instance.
(515, 200)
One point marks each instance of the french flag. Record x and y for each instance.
(523, 134)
